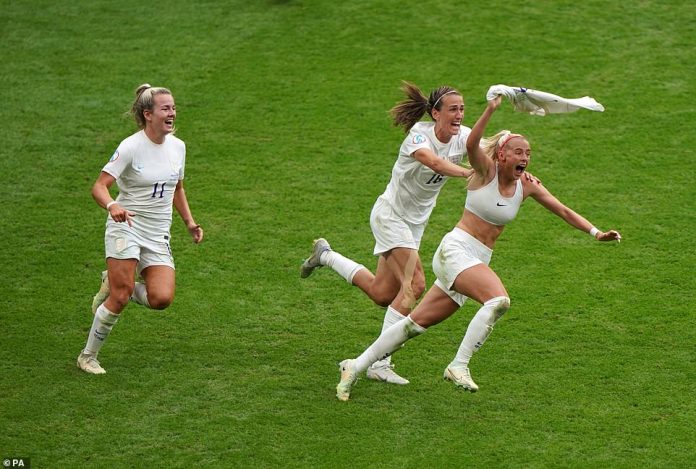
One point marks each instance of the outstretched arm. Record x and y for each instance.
(555, 206)
(446, 168)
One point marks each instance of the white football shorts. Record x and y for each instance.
(123, 242)
(457, 252)
(392, 231)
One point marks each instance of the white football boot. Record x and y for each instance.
(348, 379)
(312, 262)
(461, 377)
(384, 371)
(89, 363)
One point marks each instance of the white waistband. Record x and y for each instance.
(467, 237)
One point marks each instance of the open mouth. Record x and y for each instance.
(520, 168)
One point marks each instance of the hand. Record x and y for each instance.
(532, 178)
(494, 103)
(610, 235)
(409, 300)
(467, 172)
(120, 214)
(196, 233)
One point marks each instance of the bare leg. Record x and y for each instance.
(382, 286)
(400, 279)
(405, 265)
(160, 285)
(121, 279)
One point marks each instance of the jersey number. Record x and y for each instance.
(434, 179)
(161, 190)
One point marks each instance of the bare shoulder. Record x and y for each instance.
(531, 185)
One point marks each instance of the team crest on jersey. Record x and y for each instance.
(418, 139)
(114, 157)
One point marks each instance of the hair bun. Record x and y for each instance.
(142, 88)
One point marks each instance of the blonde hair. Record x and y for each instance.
(408, 112)
(493, 144)
(145, 101)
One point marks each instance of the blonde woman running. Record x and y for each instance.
(148, 168)
(495, 193)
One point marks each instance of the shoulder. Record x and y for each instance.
(532, 188)
(424, 128)
(464, 132)
(133, 139)
(176, 143)
(174, 140)
(130, 144)
(419, 134)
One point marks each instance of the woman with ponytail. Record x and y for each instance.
(495, 193)
(431, 152)
(148, 168)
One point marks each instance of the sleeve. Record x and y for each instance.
(415, 140)
(119, 161)
(183, 162)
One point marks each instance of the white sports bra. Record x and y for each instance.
(487, 203)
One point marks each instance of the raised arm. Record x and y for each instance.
(555, 206)
(477, 157)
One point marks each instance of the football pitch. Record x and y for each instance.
(283, 107)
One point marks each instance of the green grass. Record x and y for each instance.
(283, 105)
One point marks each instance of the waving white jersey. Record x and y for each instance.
(146, 174)
(413, 189)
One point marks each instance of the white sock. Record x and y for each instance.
(139, 295)
(343, 266)
(389, 341)
(391, 317)
(480, 328)
(102, 324)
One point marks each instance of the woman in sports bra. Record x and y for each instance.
(495, 193)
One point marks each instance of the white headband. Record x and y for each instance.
(442, 95)
(505, 138)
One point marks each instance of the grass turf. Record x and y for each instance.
(283, 108)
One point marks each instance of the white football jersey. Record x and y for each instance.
(146, 174)
(413, 188)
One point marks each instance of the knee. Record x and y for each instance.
(121, 296)
(159, 302)
(500, 305)
(382, 295)
(382, 299)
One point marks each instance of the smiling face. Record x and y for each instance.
(515, 156)
(159, 121)
(449, 117)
